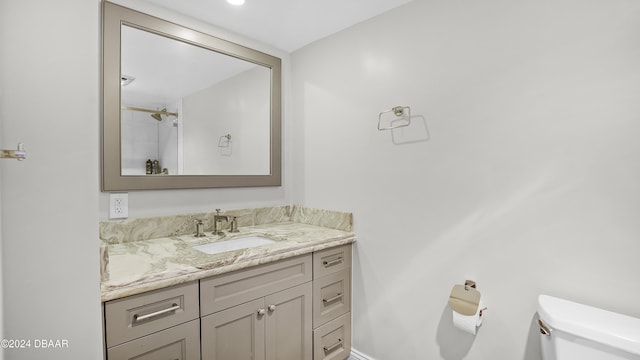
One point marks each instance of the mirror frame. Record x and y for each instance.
(114, 16)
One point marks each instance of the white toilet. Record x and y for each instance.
(572, 331)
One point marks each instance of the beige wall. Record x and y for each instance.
(528, 183)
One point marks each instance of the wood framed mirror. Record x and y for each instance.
(183, 109)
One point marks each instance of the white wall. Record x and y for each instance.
(1, 251)
(168, 141)
(49, 99)
(51, 204)
(528, 182)
(139, 141)
(156, 203)
(2, 81)
(238, 106)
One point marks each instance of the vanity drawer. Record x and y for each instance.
(331, 260)
(224, 291)
(332, 341)
(180, 342)
(331, 296)
(136, 316)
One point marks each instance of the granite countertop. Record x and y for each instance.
(140, 266)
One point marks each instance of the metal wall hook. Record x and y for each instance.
(18, 154)
(222, 142)
(469, 283)
(402, 114)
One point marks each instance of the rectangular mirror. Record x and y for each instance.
(183, 109)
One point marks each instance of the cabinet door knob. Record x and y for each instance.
(272, 307)
(261, 312)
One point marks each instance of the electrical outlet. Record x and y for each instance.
(118, 205)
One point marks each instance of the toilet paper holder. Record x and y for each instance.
(465, 299)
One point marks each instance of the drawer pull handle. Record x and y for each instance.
(330, 348)
(137, 318)
(272, 308)
(335, 261)
(261, 312)
(326, 301)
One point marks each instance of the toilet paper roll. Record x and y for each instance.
(469, 323)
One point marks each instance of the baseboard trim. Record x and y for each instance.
(357, 355)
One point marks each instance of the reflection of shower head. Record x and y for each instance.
(158, 115)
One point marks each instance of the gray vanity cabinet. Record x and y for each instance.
(177, 343)
(158, 325)
(332, 303)
(235, 333)
(275, 327)
(262, 313)
(288, 326)
(294, 309)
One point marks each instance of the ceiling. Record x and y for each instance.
(284, 24)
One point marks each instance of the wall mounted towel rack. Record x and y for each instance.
(224, 140)
(397, 117)
(18, 154)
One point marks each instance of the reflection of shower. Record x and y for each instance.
(156, 114)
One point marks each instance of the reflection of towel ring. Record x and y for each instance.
(222, 142)
(401, 113)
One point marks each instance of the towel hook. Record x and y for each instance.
(222, 142)
(18, 154)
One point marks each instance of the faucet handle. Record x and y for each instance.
(199, 228)
(234, 224)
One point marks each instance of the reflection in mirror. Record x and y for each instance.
(219, 95)
(183, 109)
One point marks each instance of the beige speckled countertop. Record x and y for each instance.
(139, 266)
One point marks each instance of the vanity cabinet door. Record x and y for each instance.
(236, 333)
(275, 327)
(289, 324)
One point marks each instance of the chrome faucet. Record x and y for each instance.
(216, 219)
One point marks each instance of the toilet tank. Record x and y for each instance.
(580, 332)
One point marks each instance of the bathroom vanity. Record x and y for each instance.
(290, 299)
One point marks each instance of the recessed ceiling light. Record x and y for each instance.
(236, 2)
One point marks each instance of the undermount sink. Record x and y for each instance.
(233, 244)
